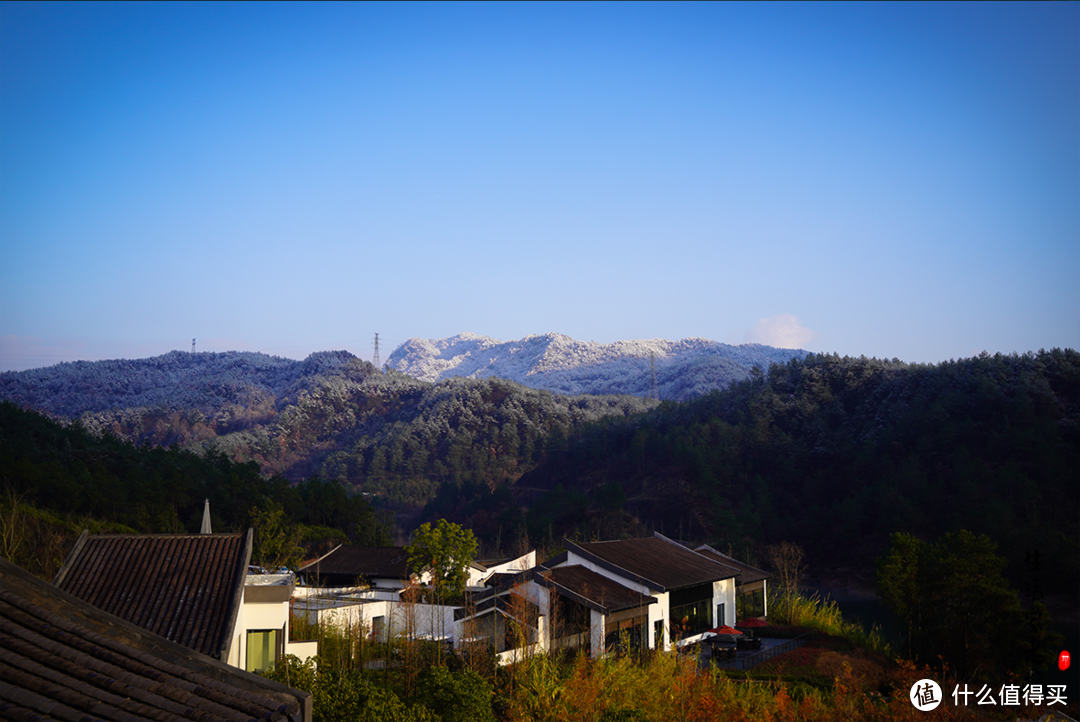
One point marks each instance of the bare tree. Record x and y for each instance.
(787, 561)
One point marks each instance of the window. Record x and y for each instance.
(691, 610)
(378, 628)
(691, 619)
(751, 604)
(263, 649)
(626, 635)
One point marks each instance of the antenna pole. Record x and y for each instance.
(192, 346)
(376, 360)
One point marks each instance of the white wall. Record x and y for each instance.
(478, 576)
(424, 620)
(262, 615)
(657, 612)
(724, 593)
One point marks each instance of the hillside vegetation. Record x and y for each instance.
(831, 453)
(332, 414)
(836, 453)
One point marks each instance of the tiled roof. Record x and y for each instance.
(747, 573)
(658, 563)
(603, 594)
(185, 587)
(356, 561)
(63, 659)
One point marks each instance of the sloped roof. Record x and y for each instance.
(660, 564)
(356, 561)
(503, 601)
(597, 591)
(185, 587)
(64, 659)
(747, 573)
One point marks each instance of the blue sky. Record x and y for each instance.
(894, 180)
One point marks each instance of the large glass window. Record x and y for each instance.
(751, 604)
(690, 619)
(626, 635)
(691, 610)
(262, 649)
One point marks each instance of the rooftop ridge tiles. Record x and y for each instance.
(86, 667)
(180, 586)
(62, 615)
(83, 682)
(179, 677)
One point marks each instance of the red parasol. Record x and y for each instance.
(724, 630)
(751, 624)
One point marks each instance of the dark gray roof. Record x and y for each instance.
(747, 573)
(595, 590)
(357, 561)
(185, 587)
(64, 659)
(660, 564)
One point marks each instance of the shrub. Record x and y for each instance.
(460, 697)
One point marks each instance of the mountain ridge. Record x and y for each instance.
(556, 362)
(553, 362)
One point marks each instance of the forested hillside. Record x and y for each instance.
(832, 453)
(332, 414)
(57, 480)
(836, 453)
(227, 388)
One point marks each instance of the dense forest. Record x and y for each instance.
(331, 415)
(57, 480)
(836, 453)
(831, 453)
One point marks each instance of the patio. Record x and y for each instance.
(744, 659)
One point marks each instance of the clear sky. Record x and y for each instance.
(894, 180)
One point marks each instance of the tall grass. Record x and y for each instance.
(813, 612)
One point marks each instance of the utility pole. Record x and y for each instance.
(376, 360)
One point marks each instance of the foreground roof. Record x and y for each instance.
(357, 561)
(185, 587)
(657, 562)
(747, 573)
(64, 659)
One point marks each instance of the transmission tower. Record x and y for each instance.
(376, 360)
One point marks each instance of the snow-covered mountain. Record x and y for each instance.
(555, 362)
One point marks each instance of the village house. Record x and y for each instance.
(651, 592)
(359, 586)
(193, 589)
(62, 658)
(693, 593)
(346, 566)
(751, 590)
